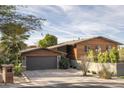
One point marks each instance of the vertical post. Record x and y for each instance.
(58, 59)
(24, 62)
(7, 73)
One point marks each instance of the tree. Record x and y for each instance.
(49, 40)
(8, 14)
(6, 10)
(12, 43)
(15, 28)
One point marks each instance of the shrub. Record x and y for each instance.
(105, 74)
(121, 55)
(90, 55)
(111, 56)
(93, 72)
(88, 71)
(100, 57)
(64, 63)
(106, 56)
(2, 61)
(18, 69)
(84, 65)
(114, 55)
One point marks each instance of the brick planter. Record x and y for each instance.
(7, 73)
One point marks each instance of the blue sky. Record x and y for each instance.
(73, 22)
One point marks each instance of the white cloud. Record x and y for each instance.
(68, 22)
(66, 8)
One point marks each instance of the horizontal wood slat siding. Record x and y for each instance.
(40, 53)
(102, 42)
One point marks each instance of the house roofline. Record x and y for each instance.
(33, 49)
(100, 37)
(83, 40)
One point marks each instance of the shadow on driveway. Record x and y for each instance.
(79, 85)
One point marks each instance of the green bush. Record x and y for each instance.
(18, 69)
(106, 57)
(90, 55)
(100, 57)
(111, 56)
(114, 55)
(121, 54)
(2, 61)
(64, 63)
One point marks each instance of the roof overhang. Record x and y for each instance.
(34, 49)
(82, 40)
(118, 43)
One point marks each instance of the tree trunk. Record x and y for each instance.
(84, 73)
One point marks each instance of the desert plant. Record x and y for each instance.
(106, 56)
(111, 56)
(105, 73)
(84, 65)
(64, 63)
(114, 55)
(90, 55)
(93, 72)
(15, 28)
(18, 69)
(100, 57)
(121, 54)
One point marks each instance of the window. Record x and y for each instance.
(86, 48)
(98, 48)
(109, 47)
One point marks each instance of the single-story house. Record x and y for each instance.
(40, 58)
(75, 49)
(48, 58)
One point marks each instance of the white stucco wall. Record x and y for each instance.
(115, 68)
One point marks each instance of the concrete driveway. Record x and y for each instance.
(69, 78)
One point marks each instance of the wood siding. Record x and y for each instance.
(63, 49)
(80, 50)
(75, 51)
(40, 53)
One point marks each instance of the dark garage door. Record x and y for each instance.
(37, 63)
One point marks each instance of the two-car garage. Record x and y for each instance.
(40, 62)
(40, 58)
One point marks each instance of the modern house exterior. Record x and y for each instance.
(48, 58)
(77, 48)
